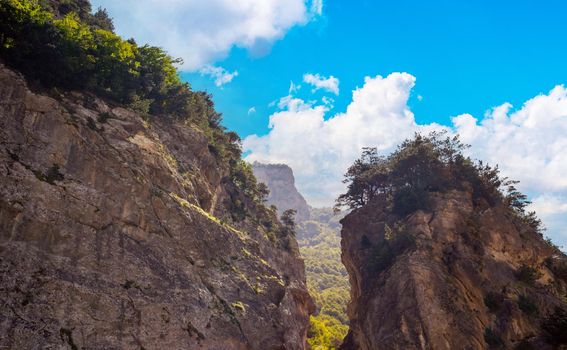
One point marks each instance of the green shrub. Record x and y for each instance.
(385, 252)
(558, 266)
(527, 274)
(408, 200)
(53, 174)
(243, 177)
(493, 301)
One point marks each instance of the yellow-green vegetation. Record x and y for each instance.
(326, 332)
(327, 278)
(184, 203)
(239, 306)
(276, 279)
(168, 157)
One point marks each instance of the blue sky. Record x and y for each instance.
(467, 56)
(492, 71)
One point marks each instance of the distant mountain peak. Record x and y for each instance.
(283, 193)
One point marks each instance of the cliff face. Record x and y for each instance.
(459, 278)
(111, 239)
(283, 193)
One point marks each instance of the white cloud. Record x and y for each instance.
(552, 210)
(330, 84)
(529, 144)
(202, 32)
(320, 149)
(219, 74)
(549, 205)
(328, 101)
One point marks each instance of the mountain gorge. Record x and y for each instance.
(129, 220)
(318, 235)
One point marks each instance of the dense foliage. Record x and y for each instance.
(327, 279)
(423, 165)
(326, 333)
(528, 274)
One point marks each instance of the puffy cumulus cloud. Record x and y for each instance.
(202, 32)
(320, 149)
(219, 74)
(529, 144)
(330, 84)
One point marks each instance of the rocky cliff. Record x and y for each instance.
(458, 276)
(283, 193)
(116, 234)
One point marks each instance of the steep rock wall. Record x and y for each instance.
(112, 237)
(436, 294)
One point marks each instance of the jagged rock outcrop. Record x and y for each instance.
(283, 193)
(463, 277)
(111, 237)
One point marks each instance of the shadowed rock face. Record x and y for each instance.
(434, 294)
(283, 194)
(109, 237)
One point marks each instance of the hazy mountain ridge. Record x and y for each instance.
(283, 193)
